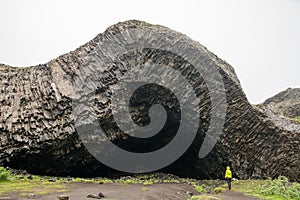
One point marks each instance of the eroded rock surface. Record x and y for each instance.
(37, 130)
(286, 103)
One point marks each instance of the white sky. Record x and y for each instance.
(259, 38)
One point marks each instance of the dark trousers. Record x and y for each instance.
(229, 183)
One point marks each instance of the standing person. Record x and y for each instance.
(228, 177)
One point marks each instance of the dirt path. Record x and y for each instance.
(232, 195)
(79, 191)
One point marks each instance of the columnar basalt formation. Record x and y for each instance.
(37, 131)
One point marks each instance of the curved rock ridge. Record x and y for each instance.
(283, 109)
(286, 103)
(37, 130)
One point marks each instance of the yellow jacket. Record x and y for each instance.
(228, 173)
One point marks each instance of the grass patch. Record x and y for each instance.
(219, 190)
(4, 174)
(145, 189)
(89, 180)
(28, 185)
(148, 179)
(297, 119)
(27, 188)
(278, 189)
(200, 188)
(204, 197)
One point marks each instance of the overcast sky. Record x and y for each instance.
(259, 38)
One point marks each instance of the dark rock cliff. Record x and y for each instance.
(37, 130)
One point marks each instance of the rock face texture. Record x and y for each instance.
(286, 103)
(37, 130)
